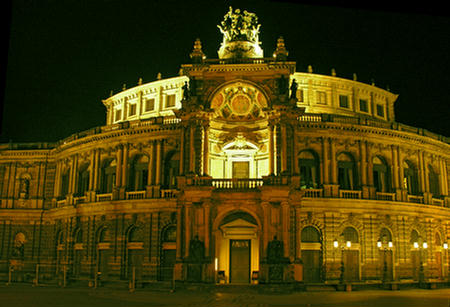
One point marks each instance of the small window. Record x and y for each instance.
(170, 102)
(321, 98)
(132, 110)
(149, 104)
(363, 105)
(118, 115)
(380, 110)
(300, 96)
(343, 101)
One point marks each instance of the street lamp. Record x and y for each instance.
(384, 245)
(445, 246)
(421, 247)
(343, 245)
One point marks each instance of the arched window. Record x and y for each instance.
(133, 234)
(310, 235)
(381, 179)
(170, 234)
(410, 181)
(350, 234)
(64, 182)
(308, 163)
(171, 170)
(139, 173)
(83, 179)
(347, 174)
(414, 237)
(433, 180)
(108, 175)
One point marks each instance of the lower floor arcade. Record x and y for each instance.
(236, 240)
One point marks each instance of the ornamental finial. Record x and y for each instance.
(281, 53)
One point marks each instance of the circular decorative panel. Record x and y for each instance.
(240, 104)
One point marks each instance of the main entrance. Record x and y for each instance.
(237, 248)
(240, 261)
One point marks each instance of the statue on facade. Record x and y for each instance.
(196, 250)
(240, 35)
(185, 89)
(275, 251)
(294, 88)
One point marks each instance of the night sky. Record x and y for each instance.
(64, 56)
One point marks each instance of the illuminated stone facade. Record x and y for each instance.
(240, 170)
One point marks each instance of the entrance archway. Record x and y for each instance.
(311, 245)
(237, 248)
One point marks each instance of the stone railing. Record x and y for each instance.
(415, 199)
(104, 197)
(385, 196)
(236, 183)
(135, 195)
(350, 194)
(313, 193)
(169, 193)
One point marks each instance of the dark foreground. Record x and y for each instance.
(28, 296)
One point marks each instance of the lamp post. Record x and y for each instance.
(445, 246)
(342, 245)
(384, 245)
(420, 248)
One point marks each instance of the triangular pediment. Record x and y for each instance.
(239, 223)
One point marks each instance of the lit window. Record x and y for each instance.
(150, 104)
(300, 95)
(363, 105)
(132, 110)
(170, 101)
(321, 97)
(343, 101)
(380, 110)
(118, 115)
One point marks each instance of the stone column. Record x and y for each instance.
(158, 162)
(364, 166)
(182, 144)
(283, 148)
(285, 220)
(326, 170)
(91, 170)
(191, 148)
(207, 208)
(333, 162)
(97, 170)
(271, 149)
(205, 149)
(187, 228)
(116, 190)
(179, 232)
(124, 167)
(395, 168)
(57, 187)
(266, 210)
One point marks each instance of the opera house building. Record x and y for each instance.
(240, 170)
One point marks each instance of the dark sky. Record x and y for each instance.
(65, 56)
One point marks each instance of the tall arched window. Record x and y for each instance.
(171, 169)
(381, 179)
(410, 181)
(139, 173)
(64, 182)
(347, 174)
(308, 163)
(108, 175)
(433, 181)
(83, 179)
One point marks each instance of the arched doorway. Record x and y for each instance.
(311, 245)
(133, 253)
(237, 248)
(385, 246)
(101, 252)
(350, 254)
(168, 253)
(77, 252)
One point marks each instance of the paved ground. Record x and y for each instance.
(27, 296)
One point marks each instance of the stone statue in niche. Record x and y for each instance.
(185, 89)
(275, 251)
(24, 188)
(196, 250)
(294, 88)
(19, 246)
